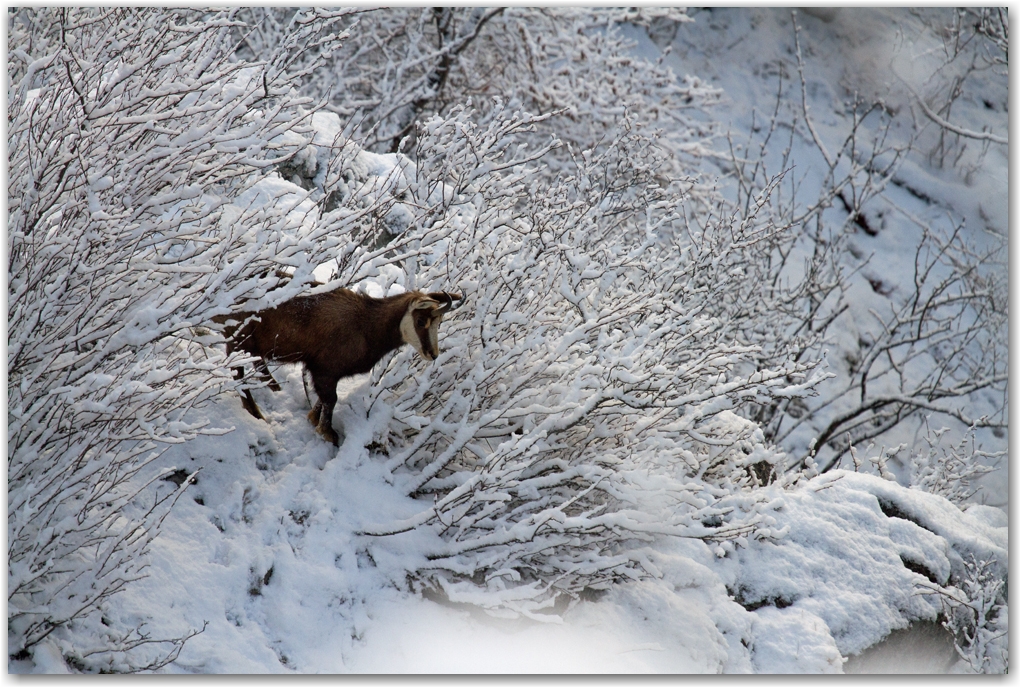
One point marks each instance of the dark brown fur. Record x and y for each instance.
(334, 335)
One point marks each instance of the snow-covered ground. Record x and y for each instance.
(264, 551)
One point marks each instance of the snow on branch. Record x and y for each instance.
(142, 203)
(931, 346)
(584, 401)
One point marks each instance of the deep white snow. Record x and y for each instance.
(263, 550)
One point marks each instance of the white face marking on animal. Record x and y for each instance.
(408, 334)
(420, 328)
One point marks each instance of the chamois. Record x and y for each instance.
(334, 335)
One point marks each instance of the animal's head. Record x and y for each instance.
(420, 324)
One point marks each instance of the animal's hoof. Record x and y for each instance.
(329, 434)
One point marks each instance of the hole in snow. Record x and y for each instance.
(179, 476)
(258, 582)
(920, 195)
(879, 286)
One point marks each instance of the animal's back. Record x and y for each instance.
(305, 329)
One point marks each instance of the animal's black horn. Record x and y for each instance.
(445, 307)
(448, 299)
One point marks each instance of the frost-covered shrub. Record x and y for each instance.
(949, 471)
(583, 403)
(976, 612)
(403, 65)
(141, 203)
(932, 342)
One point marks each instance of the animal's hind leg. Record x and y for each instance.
(246, 398)
(315, 413)
(325, 387)
(316, 404)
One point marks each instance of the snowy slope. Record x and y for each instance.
(264, 552)
(874, 54)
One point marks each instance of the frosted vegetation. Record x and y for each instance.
(688, 419)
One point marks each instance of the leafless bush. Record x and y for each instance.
(139, 155)
(402, 65)
(976, 613)
(932, 351)
(925, 351)
(975, 44)
(949, 470)
(585, 404)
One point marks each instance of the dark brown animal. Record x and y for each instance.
(335, 335)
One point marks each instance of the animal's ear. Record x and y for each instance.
(448, 301)
(426, 304)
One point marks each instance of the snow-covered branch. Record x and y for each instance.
(585, 398)
(139, 150)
